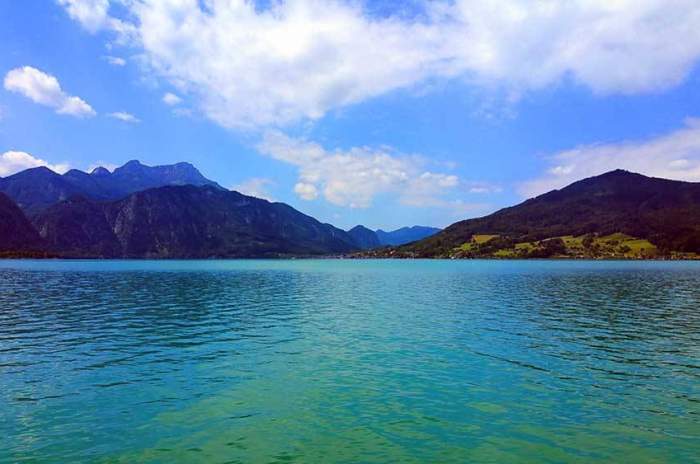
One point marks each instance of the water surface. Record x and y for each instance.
(349, 361)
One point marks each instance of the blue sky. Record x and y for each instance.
(357, 112)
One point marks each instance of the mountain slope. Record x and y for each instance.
(405, 235)
(36, 189)
(664, 212)
(16, 232)
(78, 228)
(186, 222)
(364, 238)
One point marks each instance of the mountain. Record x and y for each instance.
(185, 222)
(405, 235)
(364, 238)
(134, 176)
(16, 232)
(38, 188)
(617, 214)
(367, 239)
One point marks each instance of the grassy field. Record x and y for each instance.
(477, 240)
(483, 238)
(586, 246)
(616, 244)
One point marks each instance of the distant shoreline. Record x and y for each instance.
(337, 258)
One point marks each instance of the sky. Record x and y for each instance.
(382, 113)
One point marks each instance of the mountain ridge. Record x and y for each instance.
(364, 237)
(368, 239)
(405, 235)
(616, 214)
(185, 222)
(35, 189)
(663, 212)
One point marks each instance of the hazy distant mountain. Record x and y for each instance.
(368, 239)
(665, 213)
(16, 232)
(405, 235)
(35, 189)
(185, 222)
(364, 238)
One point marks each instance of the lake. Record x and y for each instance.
(349, 361)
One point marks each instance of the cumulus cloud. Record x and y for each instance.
(256, 187)
(675, 155)
(356, 176)
(426, 189)
(12, 162)
(124, 116)
(298, 59)
(171, 99)
(44, 89)
(94, 16)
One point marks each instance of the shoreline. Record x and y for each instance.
(338, 258)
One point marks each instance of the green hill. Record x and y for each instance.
(615, 215)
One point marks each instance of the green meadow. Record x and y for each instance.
(589, 246)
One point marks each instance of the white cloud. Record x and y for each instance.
(115, 60)
(675, 155)
(356, 176)
(298, 59)
(44, 89)
(12, 162)
(622, 46)
(426, 189)
(255, 187)
(94, 16)
(306, 191)
(171, 99)
(124, 116)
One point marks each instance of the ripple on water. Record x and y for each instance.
(339, 361)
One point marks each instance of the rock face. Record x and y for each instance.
(405, 235)
(36, 189)
(16, 232)
(185, 222)
(364, 238)
(664, 212)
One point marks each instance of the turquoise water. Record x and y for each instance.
(349, 361)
